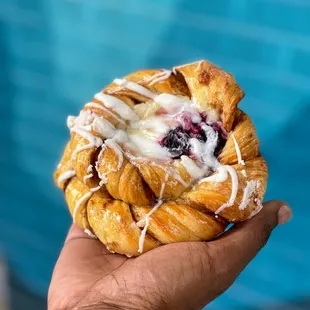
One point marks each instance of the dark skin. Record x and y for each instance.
(186, 275)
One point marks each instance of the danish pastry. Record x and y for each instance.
(162, 156)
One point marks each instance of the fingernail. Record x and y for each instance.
(284, 214)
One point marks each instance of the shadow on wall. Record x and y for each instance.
(6, 107)
(21, 299)
(302, 304)
(190, 36)
(30, 239)
(287, 154)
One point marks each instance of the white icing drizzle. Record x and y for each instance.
(136, 159)
(180, 66)
(86, 177)
(116, 148)
(95, 141)
(196, 147)
(248, 191)
(244, 173)
(82, 125)
(70, 121)
(163, 186)
(234, 189)
(158, 77)
(204, 153)
(238, 152)
(135, 87)
(102, 177)
(258, 209)
(155, 126)
(208, 157)
(104, 127)
(66, 176)
(95, 189)
(177, 177)
(117, 105)
(220, 176)
(149, 148)
(194, 171)
(82, 148)
(170, 102)
(141, 223)
(89, 168)
(146, 221)
(103, 148)
(90, 234)
(83, 121)
(199, 65)
(78, 204)
(120, 136)
(176, 105)
(101, 107)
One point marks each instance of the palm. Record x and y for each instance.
(83, 263)
(87, 266)
(184, 275)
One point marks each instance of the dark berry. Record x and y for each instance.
(220, 145)
(200, 135)
(204, 117)
(176, 142)
(218, 127)
(177, 139)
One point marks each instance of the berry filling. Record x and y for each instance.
(177, 140)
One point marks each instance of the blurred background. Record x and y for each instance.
(55, 54)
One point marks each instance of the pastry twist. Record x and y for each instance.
(162, 156)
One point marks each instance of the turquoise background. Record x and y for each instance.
(55, 54)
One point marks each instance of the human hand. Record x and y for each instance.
(185, 275)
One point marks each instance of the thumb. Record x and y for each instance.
(236, 248)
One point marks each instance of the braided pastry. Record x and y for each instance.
(162, 156)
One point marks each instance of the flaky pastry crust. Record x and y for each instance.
(115, 209)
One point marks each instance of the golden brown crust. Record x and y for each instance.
(174, 222)
(245, 134)
(126, 182)
(111, 211)
(112, 222)
(74, 192)
(212, 195)
(213, 88)
(172, 85)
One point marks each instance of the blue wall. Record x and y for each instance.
(55, 54)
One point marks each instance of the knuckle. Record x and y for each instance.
(264, 234)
